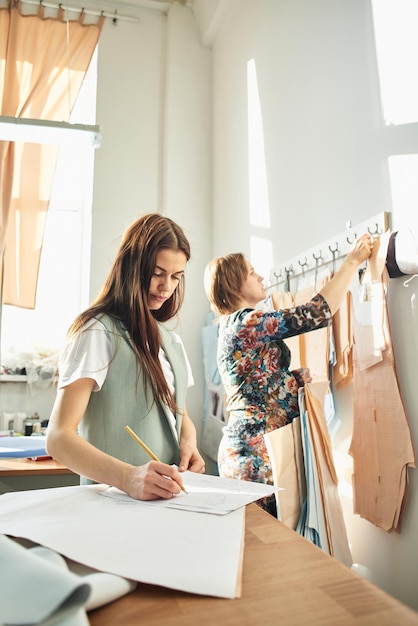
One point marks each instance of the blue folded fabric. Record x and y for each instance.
(22, 446)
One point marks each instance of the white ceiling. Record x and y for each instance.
(209, 14)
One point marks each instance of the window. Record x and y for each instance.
(63, 284)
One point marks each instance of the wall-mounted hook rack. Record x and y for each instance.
(314, 259)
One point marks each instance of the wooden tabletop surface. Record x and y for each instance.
(287, 581)
(10, 466)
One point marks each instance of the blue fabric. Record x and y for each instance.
(25, 447)
(311, 524)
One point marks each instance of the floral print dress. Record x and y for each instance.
(261, 393)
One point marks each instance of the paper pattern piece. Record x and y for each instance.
(284, 448)
(179, 549)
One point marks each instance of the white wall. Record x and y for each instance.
(326, 164)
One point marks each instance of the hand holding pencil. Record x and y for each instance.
(149, 452)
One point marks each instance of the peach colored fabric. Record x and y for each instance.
(284, 447)
(381, 444)
(312, 350)
(343, 341)
(36, 82)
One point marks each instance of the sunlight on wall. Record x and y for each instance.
(261, 249)
(258, 191)
(397, 51)
(395, 25)
(261, 255)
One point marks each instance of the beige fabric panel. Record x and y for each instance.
(381, 444)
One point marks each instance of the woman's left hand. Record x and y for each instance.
(190, 459)
(303, 376)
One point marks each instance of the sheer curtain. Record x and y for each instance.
(42, 66)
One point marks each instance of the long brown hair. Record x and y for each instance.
(125, 293)
(223, 280)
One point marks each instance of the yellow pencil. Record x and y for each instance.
(145, 447)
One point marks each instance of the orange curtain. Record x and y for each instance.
(42, 66)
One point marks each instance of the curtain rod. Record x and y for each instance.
(62, 5)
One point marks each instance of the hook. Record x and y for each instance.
(376, 230)
(351, 242)
(333, 252)
(278, 278)
(317, 259)
(303, 265)
(288, 270)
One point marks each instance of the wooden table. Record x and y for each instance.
(20, 474)
(287, 581)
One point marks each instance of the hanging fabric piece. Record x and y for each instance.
(327, 477)
(284, 447)
(342, 371)
(35, 83)
(312, 523)
(321, 520)
(317, 351)
(381, 444)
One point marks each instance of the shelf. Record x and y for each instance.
(13, 378)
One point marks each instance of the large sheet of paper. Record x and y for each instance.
(207, 494)
(177, 548)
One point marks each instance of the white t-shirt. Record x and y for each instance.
(88, 354)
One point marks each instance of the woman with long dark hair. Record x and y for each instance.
(123, 367)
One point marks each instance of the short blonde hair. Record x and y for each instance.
(223, 280)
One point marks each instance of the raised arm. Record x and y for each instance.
(335, 290)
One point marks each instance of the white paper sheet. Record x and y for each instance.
(184, 550)
(206, 494)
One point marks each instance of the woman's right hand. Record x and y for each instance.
(362, 249)
(152, 481)
(335, 290)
